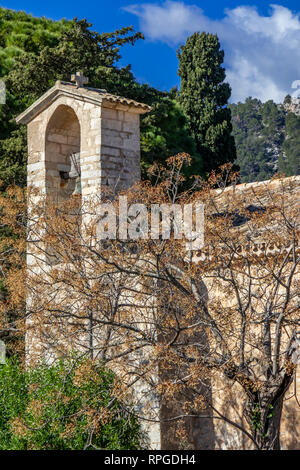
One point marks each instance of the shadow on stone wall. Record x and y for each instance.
(190, 432)
(290, 429)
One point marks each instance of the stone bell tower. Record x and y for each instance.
(80, 139)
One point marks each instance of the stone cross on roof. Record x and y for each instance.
(80, 79)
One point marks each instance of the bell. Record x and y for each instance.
(72, 176)
(77, 189)
(75, 165)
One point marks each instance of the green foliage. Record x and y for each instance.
(258, 129)
(20, 32)
(20, 35)
(70, 405)
(287, 100)
(289, 160)
(65, 48)
(256, 417)
(271, 412)
(204, 97)
(13, 151)
(36, 69)
(13, 399)
(164, 132)
(78, 48)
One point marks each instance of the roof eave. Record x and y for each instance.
(58, 90)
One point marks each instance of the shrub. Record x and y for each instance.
(71, 405)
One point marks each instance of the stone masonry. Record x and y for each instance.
(104, 128)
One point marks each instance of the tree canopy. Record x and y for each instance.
(70, 405)
(289, 161)
(74, 46)
(266, 137)
(204, 96)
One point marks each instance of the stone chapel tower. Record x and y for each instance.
(69, 121)
(80, 140)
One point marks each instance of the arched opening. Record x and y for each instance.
(62, 155)
(63, 174)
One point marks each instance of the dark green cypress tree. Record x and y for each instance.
(204, 97)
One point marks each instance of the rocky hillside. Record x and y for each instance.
(292, 105)
(267, 138)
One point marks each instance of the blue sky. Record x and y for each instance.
(261, 40)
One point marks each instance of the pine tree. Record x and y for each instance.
(204, 97)
(258, 129)
(289, 160)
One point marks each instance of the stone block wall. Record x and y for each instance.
(108, 140)
(120, 148)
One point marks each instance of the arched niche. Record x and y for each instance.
(62, 143)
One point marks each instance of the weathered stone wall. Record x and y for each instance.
(230, 399)
(120, 150)
(109, 145)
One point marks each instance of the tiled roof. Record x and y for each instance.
(103, 95)
(93, 95)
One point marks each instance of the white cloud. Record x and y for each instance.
(262, 53)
